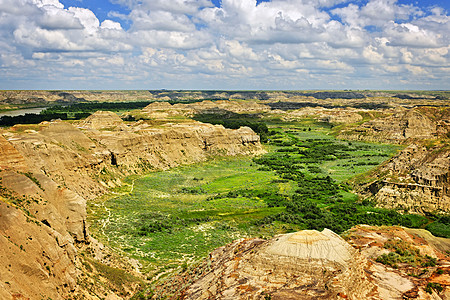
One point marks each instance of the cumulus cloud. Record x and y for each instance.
(86, 17)
(54, 18)
(160, 20)
(175, 6)
(240, 44)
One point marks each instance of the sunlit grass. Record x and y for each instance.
(191, 209)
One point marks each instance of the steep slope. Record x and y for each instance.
(415, 180)
(37, 261)
(49, 171)
(403, 126)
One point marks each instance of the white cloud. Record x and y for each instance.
(43, 39)
(87, 18)
(108, 24)
(160, 20)
(410, 35)
(238, 51)
(54, 18)
(416, 70)
(182, 42)
(175, 6)
(372, 55)
(43, 3)
(171, 39)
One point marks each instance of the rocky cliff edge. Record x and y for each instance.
(49, 171)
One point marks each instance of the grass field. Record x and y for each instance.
(169, 218)
(184, 221)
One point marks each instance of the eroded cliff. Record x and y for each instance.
(402, 126)
(49, 171)
(415, 180)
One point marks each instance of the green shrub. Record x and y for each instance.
(433, 286)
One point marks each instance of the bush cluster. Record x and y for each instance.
(317, 202)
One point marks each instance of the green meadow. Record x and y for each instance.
(169, 219)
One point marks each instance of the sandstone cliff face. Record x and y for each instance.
(47, 174)
(415, 180)
(37, 261)
(161, 110)
(10, 158)
(316, 265)
(401, 126)
(333, 116)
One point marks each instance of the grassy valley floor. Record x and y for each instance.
(169, 219)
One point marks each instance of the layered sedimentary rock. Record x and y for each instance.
(10, 158)
(402, 126)
(333, 116)
(302, 265)
(411, 277)
(47, 174)
(36, 260)
(415, 180)
(161, 110)
(318, 265)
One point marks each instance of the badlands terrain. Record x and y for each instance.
(227, 195)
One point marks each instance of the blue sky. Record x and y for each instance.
(228, 44)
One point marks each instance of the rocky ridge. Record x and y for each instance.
(415, 180)
(328, 115)
(40, 97)
(162, 110)
(317, 265)
(402, 126)
(49, 171)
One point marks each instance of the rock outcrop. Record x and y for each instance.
(402, 126)
(319, 265)
(162, 110)
(423, 261)
(333, 115)
(47, 174)
(302, 265)
(416, 180)
(36, 260)
(10, 158)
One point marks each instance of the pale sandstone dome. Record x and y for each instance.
(304, 265)
(312, 245)
(102, 120)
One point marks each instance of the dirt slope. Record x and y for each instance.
(49, 171)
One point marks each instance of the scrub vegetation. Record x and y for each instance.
(170, 218)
